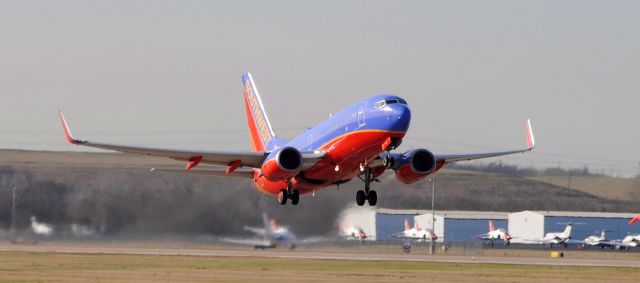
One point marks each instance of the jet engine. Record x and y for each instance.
(414, 165)
(282, 164)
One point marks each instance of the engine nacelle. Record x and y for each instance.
(282, 164)
(414, 165)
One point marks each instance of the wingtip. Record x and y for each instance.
(67, 132)
(531, 142)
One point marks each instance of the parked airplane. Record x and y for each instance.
(356, 142)
(40, 228)
(630, 241)
(597, 241)
(353, 233)
(271, 235)
(496, 234)
(558, 238)
(416, 232)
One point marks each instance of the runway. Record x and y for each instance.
(316, 253)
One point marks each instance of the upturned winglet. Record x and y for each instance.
(67, 132)
(531, 142)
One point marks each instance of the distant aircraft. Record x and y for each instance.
(416, 232)
(635, 219)
(353, 233)
(597, 241)
(558, 238)
(356, 142)
(496, 234)
(40, 228)
(630, 241)
(271, 235)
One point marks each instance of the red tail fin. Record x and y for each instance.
(635, 219)
(491, 227)
(406, 224)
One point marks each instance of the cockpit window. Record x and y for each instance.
(380, 104)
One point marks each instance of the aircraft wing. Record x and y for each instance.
(448, 158)
(225, 158)
(241, 172)
(258, 231)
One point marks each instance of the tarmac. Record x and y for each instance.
(284, 253)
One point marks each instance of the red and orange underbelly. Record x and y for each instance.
(345, 156)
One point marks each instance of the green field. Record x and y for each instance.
(56, 267)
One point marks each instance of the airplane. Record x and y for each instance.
(630, 241)
(40, 228)
(597, 241)
(634, 219)
(558, 238)
(496, 234)
(353, 233)
(271, 235)
(416, 232)
(354, 143)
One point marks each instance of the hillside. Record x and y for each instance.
(117, 194)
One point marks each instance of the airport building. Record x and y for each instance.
(531, 226)
(462, 225)
(524, 226)
(382, 224)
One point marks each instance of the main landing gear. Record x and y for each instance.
(289, 193)
(367, 195)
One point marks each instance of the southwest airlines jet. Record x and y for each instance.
(356, 142)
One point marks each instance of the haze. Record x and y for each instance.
(167, 73)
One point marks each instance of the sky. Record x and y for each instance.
(168, 73)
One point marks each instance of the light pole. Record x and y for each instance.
(13, 210)
(432, 249)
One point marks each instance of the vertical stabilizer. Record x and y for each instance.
(567, 231)
(263, 139)
(406, 225)
(265, 223)
(491, 227)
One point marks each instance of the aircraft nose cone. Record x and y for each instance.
(401, 117)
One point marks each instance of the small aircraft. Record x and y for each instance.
(353, 233)
(597, 241)
(630, 241)
(558, 238)
(271, 235)
(356, 142)
(40, 228)
(416, 233)
(496, 234)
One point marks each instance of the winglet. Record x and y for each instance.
(531, 142)
(67, 132)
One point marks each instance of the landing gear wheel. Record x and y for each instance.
(372, 197)
(282, 197)
(360, 197)
(295, 197)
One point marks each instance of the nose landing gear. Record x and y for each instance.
(367, 195)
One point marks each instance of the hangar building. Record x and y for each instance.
(531, 226)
